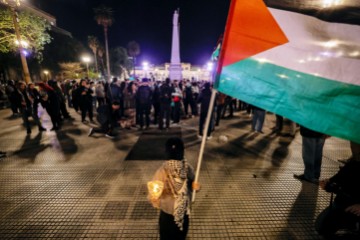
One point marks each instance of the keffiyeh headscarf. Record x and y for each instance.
(178, 182)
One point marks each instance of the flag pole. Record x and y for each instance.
(203, 141)
(213, 94)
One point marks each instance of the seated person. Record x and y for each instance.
(345, 210)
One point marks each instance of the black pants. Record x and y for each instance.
(202, 121)
(168, 228)
(165, 111)
(86, 107)
(144, 109)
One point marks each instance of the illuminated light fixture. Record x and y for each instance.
(298, 75)
(26, 53)
(331, 44)
(24, 43)
(301, 61)
(317, 59)
(354, 54)
(210, 66)
(145, 65)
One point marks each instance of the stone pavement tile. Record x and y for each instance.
(70, 186)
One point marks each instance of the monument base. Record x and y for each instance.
(175, 72)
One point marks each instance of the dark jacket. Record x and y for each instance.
(305, 132)
(204, 100)
(115, 93)
(144, 95)
(85, 98)
(165, 93)
(106, 114)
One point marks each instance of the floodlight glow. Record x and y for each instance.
(210, 66)
(24, 43)
(145, 65)
(86, 59)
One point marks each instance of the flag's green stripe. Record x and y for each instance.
(321, 104)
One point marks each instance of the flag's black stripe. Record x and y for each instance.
(348, 12)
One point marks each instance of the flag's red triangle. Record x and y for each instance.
(250, 29)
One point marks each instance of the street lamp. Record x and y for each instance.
(86, 60)
(46, 72)
(12, 5)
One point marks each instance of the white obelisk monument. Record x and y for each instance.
(175, 71)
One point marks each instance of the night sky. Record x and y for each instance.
(148, 22)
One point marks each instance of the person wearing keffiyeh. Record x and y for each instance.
(175, 199)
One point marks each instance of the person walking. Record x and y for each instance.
(49, 100)
(26, 108)
(176, 176)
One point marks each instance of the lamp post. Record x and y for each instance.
(46, 72)
(12, 5)
(86, 60)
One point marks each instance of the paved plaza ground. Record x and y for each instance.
(67, 185)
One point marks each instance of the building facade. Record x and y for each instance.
(161, 72)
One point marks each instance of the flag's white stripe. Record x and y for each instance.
(329, 50)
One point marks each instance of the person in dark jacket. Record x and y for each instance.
(204, 100)
(11, 93)
(35, 98)
(26, 108)
(166, 91)
(114, 91)
(143, 99)
(107, 116)
(61, 97)
(344, 212)
(312, 151)
(85, 100)
(49, 100)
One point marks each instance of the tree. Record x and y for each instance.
(120, 61)
(101, 59)
(71, 70)
(133, 50)
(33, 30)
(93, 43)
(104, 17)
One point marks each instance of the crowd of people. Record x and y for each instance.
(125, 104)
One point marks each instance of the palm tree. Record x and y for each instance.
(93, 43)
(104, 17)
(133, 50)
(101, 58)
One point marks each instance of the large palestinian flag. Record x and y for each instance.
(294, 64)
